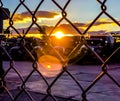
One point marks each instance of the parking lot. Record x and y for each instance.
(104, 90)
(85, 74)
(100, 44)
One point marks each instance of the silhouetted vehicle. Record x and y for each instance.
(116, 56)
(102, 44)
(18, 52)
(117, 40)
(22, 48)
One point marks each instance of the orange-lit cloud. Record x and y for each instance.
(105, 24)
(102, 25)
(103, 21)
(38, 14)
(24, 19)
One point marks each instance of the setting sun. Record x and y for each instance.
(59, 35)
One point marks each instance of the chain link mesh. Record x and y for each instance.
(23, 80)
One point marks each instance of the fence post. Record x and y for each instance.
(4, 14)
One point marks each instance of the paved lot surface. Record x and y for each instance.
(104, 90)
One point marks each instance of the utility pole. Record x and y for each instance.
(4, 14)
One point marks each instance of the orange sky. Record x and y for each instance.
(49, 19)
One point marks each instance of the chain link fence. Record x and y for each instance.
(48, 53)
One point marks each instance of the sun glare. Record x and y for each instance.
(59, 35)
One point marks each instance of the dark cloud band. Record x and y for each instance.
(39, 14)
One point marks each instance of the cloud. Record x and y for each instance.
(103, 21)
(97, 32)
(100, 21)
(105, 24)
(39, 14)
(102, 25)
